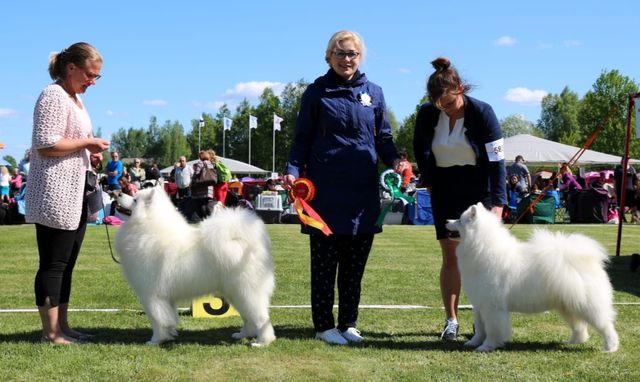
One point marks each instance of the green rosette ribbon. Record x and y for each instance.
(391, 181)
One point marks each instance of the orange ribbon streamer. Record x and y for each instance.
(301, 192)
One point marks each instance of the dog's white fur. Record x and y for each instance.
(550, 271)
(167, 260)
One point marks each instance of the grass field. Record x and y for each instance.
(402, 344)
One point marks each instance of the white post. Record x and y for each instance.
(200, 126)
(273, 165)
(249, 141)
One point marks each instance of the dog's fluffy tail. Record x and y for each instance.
(241, 236)
(575, 264)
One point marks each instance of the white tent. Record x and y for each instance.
(235, 166)
(541, 151)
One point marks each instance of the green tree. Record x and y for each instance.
(11, 160)
(605, 105)
(173, 143)
(263, 137)
(559, 117)
(130, 143)
(290, 99)
(518, 124)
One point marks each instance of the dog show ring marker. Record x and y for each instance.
(211, 306)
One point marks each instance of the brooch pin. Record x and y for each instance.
(365, 99)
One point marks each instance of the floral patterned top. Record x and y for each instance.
(55, 188)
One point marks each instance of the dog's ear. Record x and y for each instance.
(474, 211)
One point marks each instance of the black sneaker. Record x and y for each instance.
(450, 331)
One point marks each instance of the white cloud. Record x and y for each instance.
(109, 113)
(215, 105)
(545, 45)
(505, 41)
(404, 70)
(155, 102)
(571, 43)
(525, 96)
(7, 112)
(253, 89)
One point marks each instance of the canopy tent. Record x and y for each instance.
(541, 151)
(235, 166)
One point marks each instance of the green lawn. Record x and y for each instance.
(401, 344)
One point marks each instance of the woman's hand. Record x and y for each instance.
(288, 181)
(97, 145)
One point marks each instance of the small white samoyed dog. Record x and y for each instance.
(167, 260)
(550, 271)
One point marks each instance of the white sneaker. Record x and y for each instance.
(352, 335)
(331, 336)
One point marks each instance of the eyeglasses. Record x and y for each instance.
(341, 54)
(92, 76)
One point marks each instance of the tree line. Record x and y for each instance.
(566, 118)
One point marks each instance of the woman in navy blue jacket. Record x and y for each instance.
(341, 129)
(459, 149)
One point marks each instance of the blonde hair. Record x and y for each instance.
(344, 35)
(4, 170)
(80, 54)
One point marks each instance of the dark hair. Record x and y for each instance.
(79, 54)
(444, 79)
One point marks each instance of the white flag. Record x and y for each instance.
(636, 103)
(201, 124)
(227, 123)
(253, 122)
(276, 122)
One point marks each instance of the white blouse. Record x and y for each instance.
(55, 188)
(451, 148)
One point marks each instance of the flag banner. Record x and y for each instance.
(201, 122)
(253, 122)
(636, 104)
(227, 122)
(276, 122)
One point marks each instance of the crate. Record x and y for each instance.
(269, 202)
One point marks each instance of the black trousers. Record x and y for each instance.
(58, 250)
(347, 256)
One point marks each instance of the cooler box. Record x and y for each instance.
(269, 207)
(420, 212)
(544, 212)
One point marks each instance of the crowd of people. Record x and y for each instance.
(341, 132)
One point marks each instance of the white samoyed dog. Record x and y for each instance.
(550, 271)
(167, 260)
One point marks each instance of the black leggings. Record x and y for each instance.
(347, 255)
(58, 250)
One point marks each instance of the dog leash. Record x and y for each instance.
(106, 228)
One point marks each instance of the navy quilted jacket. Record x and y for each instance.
(340, 131)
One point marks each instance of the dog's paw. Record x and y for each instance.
(238, 335)
(471, 344)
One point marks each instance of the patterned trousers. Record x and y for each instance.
(347, 256)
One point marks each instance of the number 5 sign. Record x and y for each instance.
(211, 306)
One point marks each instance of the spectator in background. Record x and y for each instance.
(23, 167)
(202, 197)
(522, 171)
(629, 201)
(126, 186)
(16, 182)
(405, 169)
(115, 169)
(221, 188)
(183, 174)
(5, 184)
(154, 172)
(137, 175)
(568, 187)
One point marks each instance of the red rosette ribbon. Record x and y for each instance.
(302, 192)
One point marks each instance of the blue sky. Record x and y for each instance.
(177, 59)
